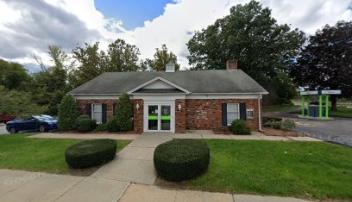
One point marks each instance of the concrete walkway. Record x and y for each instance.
(129, 177)
(198, 135)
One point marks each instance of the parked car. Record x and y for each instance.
(40, 123)
(4, 118)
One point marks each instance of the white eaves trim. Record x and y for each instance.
(151, 96)
(160, 79)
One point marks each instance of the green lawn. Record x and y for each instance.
(19, 152)
(300, 169)
(342, 112)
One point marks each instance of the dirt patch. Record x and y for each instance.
(283, 133)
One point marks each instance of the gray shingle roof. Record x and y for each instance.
(206, 81)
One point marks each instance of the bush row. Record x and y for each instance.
(278, 123)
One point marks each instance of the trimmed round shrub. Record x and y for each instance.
(239, 127)
(90, 153)
(179, 160)
(85, 124)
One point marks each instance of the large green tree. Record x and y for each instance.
(91, 61)
(326, 62)
(50, 84)
(13, 76)
(161, 57)
(18, 103)
(122, 57)
(250, 35)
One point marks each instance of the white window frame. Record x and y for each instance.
(236, 105)
(93, 112)
(252, 111)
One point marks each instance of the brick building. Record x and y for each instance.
(176, 101)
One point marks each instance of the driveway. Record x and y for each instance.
(338, 130)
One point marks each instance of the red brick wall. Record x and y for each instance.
(206, 114)
(195, 114)
(109, 105)
(180, 116)
(137, 114)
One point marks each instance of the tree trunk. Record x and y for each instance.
(333, 102)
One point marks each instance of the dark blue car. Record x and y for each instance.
(40, 123)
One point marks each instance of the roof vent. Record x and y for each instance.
(170, 67)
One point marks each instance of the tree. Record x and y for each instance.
(325, 63)
(124, 113)
(13, 75)
(68, 113)
(122, 57)
(161, 57)
(18, 103)
(91, 63)
(50, 85)
(249, 34)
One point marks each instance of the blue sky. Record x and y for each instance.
(131, 12)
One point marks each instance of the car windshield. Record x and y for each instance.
(47, 117)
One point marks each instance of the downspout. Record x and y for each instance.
(260, 113)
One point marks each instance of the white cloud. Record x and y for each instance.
(81, 21)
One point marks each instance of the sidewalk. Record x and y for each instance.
(254, 136)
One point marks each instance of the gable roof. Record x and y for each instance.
(176, 87)
(195, 82)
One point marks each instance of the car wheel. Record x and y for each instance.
(13, 130)
(42, 129)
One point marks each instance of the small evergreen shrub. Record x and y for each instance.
(124, 113)
(273, 124)
(85, 124)
(102, 127)
(90, 153)
(239, 127)
(112, 125)
(68, 113)
(267, 119)
(288, 124)
(179, 160)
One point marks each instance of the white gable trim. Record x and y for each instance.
(156, 79)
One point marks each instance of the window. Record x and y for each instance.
(233, 113)
(250, 113)
(97, 113)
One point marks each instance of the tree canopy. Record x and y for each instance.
(325, 63)
(252, 36)
(161, 57)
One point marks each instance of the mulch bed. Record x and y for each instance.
(283, 133)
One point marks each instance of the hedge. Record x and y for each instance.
(85, 124)
(179, 160)
(90, 153)
(239, 127)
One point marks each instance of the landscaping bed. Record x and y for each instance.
(301, 169)
(45, 155)
(282, 133)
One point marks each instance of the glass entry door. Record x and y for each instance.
(159, 117)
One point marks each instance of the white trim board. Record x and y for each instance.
(154, 80)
